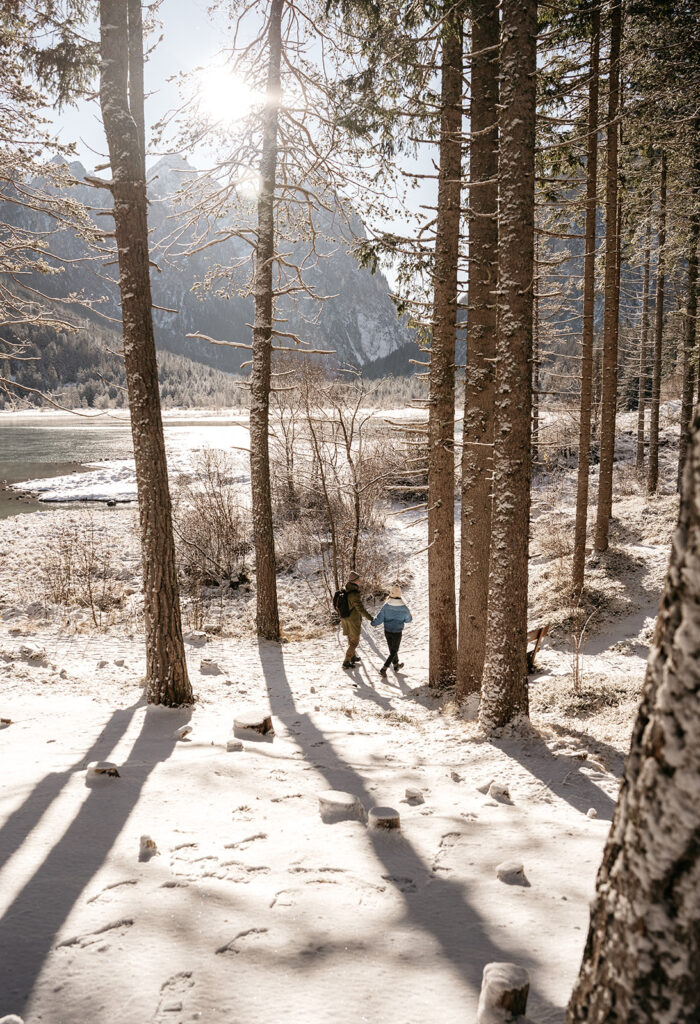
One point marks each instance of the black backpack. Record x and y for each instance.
(341, 603)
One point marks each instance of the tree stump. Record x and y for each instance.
(209, 667)
(504, 991)
(414, 796)
(258, 722)
(384, 818)
(147, 848)
(100, 769)
(335, 806)
(4, 722)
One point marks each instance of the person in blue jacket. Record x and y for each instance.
(393, 614)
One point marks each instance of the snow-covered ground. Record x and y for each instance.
(254, 909)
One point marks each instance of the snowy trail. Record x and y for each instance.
(255, 910)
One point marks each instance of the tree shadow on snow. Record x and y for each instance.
(439, 907)
(29, 928)
(561, 774)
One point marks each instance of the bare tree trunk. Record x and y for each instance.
(441, 414)
(653, 466)
(584, 440)
(689, 349)
(504, 691)
(643, 341)
(608, 411)
(477, 460)
(641, 959)
(267, 614)
(535, 445)
(121, 100)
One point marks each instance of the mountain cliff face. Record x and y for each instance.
(358, 320)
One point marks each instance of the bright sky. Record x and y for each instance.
(190, 39)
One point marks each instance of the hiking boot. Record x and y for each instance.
(347, 664)
(356, 658)
(398, 665)
(382, 671)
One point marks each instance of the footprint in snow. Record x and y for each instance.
(108, 889)
(243, 941)
(243, 844)
(173, 993)
(401, 882)
(97, 939)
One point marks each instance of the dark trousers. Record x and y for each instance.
(394, 642)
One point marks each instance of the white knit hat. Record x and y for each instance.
(395, 591)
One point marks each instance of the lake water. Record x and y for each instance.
(54, 447)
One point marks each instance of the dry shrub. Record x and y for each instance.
(212, 530)
(78, 569)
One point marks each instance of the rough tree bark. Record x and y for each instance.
(689, 339)
(504, 689)
(481, 350)
(641, 959)
(643, 342)
(267, 614)
(584, 441)
(653, 463)
(608, 411)
(441, 410)
(121, 101)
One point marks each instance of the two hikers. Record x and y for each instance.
(393, 614)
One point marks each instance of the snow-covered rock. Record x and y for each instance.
(511, 872)
(182, 732)
(102, 770)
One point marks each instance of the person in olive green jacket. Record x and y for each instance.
(353, 623)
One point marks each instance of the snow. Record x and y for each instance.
(255, 908)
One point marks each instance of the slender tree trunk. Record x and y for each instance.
(267, 614)
(535, 446)
(643, 341)
(441, 415)
(689, 350)
(640, 964)
(504, 690)
(584, 441)
(477, 460)
(653, 466)
(121, 100)
(612, 296)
